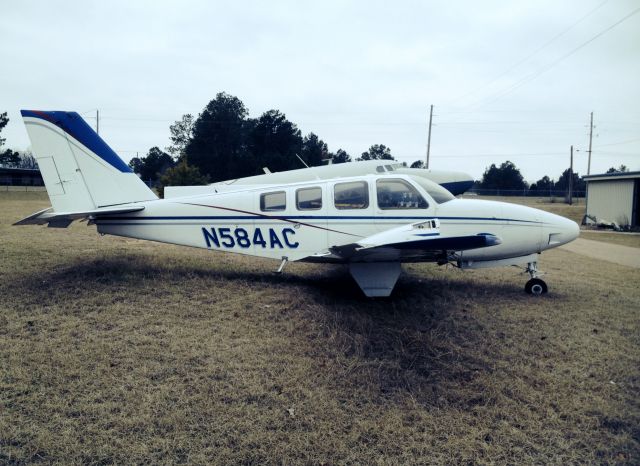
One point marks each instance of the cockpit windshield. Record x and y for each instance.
(437, 192)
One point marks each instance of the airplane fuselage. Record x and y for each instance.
(239, 222)
(453, 181)
(373, 222)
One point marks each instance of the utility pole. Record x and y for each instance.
(590, 140)
(571, 178)
(97, 121)
(429, 136)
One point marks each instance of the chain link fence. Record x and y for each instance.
(548, 193)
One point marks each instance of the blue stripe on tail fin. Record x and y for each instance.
(73, 124)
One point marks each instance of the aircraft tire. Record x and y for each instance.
(536, 287)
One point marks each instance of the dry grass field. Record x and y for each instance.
(121, 351)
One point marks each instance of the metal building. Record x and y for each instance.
(20, 177)
(614, 197)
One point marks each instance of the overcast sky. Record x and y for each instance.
(510, 80)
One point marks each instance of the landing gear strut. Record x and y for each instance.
(535, 286)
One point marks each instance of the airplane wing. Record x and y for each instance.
(63, 219)
(417, 241)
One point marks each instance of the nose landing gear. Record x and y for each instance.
(535, 286)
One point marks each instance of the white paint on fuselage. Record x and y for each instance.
(459, 180)
(298, 234)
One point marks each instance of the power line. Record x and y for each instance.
(532, 154)
(528, 123)
(429, 136)
(619, 154)
(517, 155)
(137, 119)
(547, 67)
(628, 141)
(535, 52)
(590, 151)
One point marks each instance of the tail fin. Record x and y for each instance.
(80, 171)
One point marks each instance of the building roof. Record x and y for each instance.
(19, 171)
(612, 176)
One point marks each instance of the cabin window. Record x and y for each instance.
(398, 194)
(354, 195)
(380, 169)
(437, 192)
(309, 198)
(273, 202)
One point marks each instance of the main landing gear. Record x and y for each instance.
(535, 286)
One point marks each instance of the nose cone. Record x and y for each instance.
(559, 230)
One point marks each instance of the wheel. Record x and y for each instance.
(535, 286)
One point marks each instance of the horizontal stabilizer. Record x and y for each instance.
(64, 219)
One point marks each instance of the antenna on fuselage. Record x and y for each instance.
(303, 162)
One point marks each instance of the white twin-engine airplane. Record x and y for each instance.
(372, 223)
(454, 182)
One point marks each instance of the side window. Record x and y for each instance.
(354, 195)
(398, 194)
(272, 202)
(309, 198)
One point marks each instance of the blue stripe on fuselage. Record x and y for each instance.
(309, 217)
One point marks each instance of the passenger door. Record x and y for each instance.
(310, 219)
(350, 212)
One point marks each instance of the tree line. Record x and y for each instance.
(11, 158)
(507, 177)
(224, 143)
